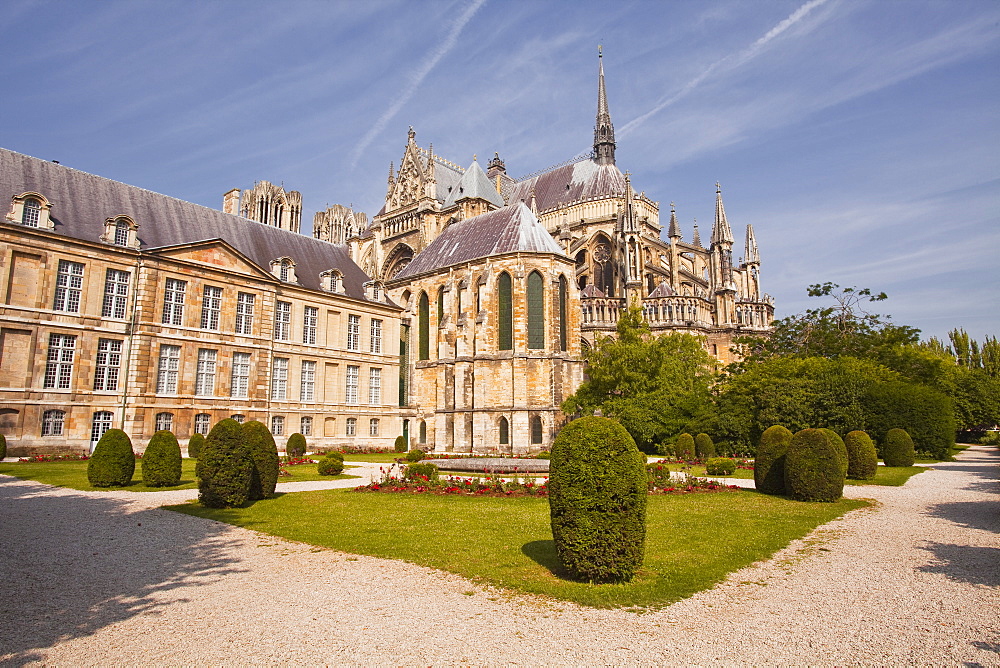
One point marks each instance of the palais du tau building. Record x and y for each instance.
(455, 316)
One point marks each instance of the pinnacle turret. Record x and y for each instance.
(696, 240)
(720, 230)
(604, 131)
(752, 256)
(674, 231)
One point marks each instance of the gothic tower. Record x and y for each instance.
(604, 131)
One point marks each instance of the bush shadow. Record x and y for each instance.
(543, 553)
(983, 515)
(74, 563)
(967, 563)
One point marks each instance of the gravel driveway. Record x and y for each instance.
(106, 578)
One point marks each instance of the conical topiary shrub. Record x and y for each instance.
(704, 447)
(400, 444)
(264, 453)
(769, 463)
(161, 462)
(897, 450)
(812, 467)
(224, 468)
(597, 500)
(838, 443)
(3, 446)
(113, 462)
(862, 462)
(296, 446)
(684, 447)
(195, 444)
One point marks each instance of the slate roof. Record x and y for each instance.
(474, 184)
(510, 229)
(569, 183)
(82, 202)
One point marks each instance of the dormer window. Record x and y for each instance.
(332, 281)
(30, 210)
(284, 269)
(375, 291)
(121, 231)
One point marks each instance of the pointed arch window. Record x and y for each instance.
(505, 315)
(536, 311)
(563, 296)
(536, 430)
(424, 333)
(504, 431)
(440, 307)
(423, 432)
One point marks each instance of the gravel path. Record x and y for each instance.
(106, 578)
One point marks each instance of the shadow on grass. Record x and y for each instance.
(74, 563)
(543, 553)
(967, 563)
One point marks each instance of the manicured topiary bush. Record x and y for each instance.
(264, 453)
(195, 444)
(812, 467)
(225, 467)
(597, 500)
(704, 447)
(3, 446)
(769, 462)
(897, 449)
(862, 462)
(296, 446)
(416, 470)
(113, 462)
(161, 461)
(400, 444)
(838, 443)
(414, 455)
(684, 447)
(543, 454)
(720, 466)
(331, 464)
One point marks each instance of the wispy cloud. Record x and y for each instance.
(730, 62)
(417, 78)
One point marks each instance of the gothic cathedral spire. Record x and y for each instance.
(604, 131)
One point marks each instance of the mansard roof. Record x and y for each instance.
(569, 183)
(474, 184)
(82, 202)
(510, 229)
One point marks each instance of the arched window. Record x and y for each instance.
(30, 212)
(100, 424)
(424, 333)
(52, 422)
(164, 421)
(505, 316)
(504, 431)
(563, 296)
(202, 423)
(536, 430)
(536, 311)
(121, 233)
(423, 432)
(440, 304)
(284, 271)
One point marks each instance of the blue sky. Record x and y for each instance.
(860, 138)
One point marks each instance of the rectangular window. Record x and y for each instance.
(352, 384)
(352, 426)
(52, 423)
(374, 386)
(166, 375)
(115, 294)
(309, 319)
(205, 379)
(164, 421)
(211, 306)
(279, 379)
(307, 390)
(239, 418)
(306, 425)
(373, 427)
(69, 283)
(173, 302)
(278, 425)
(59, 365)
(244, 313)
(239, 385)
(282, 321)
(107, 364)
(353, 332)
(376, 346)
(202, 422)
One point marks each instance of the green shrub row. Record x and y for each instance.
(331, 464)
(720, 466)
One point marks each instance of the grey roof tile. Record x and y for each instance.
(569, 183)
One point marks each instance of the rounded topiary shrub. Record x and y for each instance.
(195, 444)
(838, 443)
(416, 471)
(161, 461)
(897, 450)
(597, 500)
(704, 447)
(769, 462)
(862, 462)
(720, 466)
(414, 455)
(264, 453)
(812, 467)
(225, 467)
(113, 462)
(296, 446)
(400, 444)
(684, 447)
(3, 446)
(331, 464)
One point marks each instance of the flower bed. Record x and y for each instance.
(57, 458)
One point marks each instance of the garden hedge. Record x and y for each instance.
(417, 470)
(195, 444)
(838, 443)
(926, 414)
(161, 461)
(113, 462)
(597, 500)
(897, 449)
(862, 462)
(704, 447)
(400, 444)
(225, 467)
(769, 462)
(414, 455)
(3, 446)
(264, 453)
(331, 464)
(296, 446)
(720, 466)
(684, 447)
(812, 468)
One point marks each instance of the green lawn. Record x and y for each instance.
(693, 540)
(73, 474)
(891, 476)
(376, 457)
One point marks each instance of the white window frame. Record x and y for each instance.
(107, 364)
(373, 427)
(69, 286)
(202, 423)
(244, 312)
(376, 340)
(375, 386)
(53, 422)
(59, 362)
(306, 425)
(277, 425)
(353, 332)
(165, 421)
(211, 307)
(307, 381)
(282, 321)
(279, 379)
(239, 379)
(310, 320)
(204, 385)
(173, 301)
(351, 386)
(100, 422)
(31, 210)
(168, 369)
(115, 294)
(351, 427)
